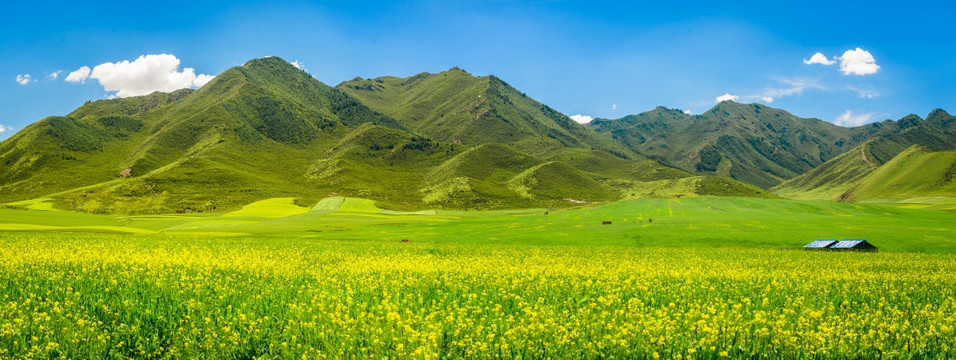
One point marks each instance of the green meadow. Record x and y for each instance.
(706, 278)
(701, 221)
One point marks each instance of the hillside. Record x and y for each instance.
(752, 143)
(267, 129)
(245, 135)
(457, 107)
(916, 172)
(916, 175)
(843, 177)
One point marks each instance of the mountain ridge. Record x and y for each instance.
(481, 109)
(753, 143)
(267, 129)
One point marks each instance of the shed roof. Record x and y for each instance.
(853, 244)
(820, 244)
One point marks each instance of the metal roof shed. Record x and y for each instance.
(820, 244)
(853, 245)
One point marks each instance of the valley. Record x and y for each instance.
(269, 215)
(695, 277)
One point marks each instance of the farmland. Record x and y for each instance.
(276, 280)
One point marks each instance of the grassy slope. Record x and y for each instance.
(605, 165)
(693, 222)
(557, 181)
(60, 153)
(916, 172)
(831, 179)
(379, 163)
(478, 177)
(915, 175)
(834, 179)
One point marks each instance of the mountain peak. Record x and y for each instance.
(273, 60)
(726, 108)
(456, 69)
(730, 106)
(271, 70)
(667, 110)
(911, 117)
(937, 113)
(272, 66)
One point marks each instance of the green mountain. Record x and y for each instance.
(752, 143)
(267, 129)
(245, 135)
(915, 175)
(456, 107)
(850, 176)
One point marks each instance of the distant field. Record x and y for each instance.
(707, 278)
(704, 221)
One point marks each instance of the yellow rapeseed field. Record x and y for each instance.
(110, 296)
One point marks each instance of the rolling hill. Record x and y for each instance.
(855, 175)
(752, 143)
(916, 172)
(916, 175)
(268, 130)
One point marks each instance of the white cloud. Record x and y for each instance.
(581, 119)
(202, 79)
(786, 87)
(613, 106)
(55, 74)
(793, 87)
(142, 76)
(24, 79)
(726, 97)
(863, 93)
(298, 65)
(858, 62)
(80, 75)
(3, 128)
(819, 58)
(850, 119)
(688, 112)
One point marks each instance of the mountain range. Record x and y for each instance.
(447, 140)
(748, 142)
(267, 129)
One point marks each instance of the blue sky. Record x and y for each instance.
(600, 59)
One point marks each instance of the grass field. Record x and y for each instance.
(707, 278)
(704, 221)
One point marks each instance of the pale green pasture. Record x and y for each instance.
(694, 222)
(269, 208)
